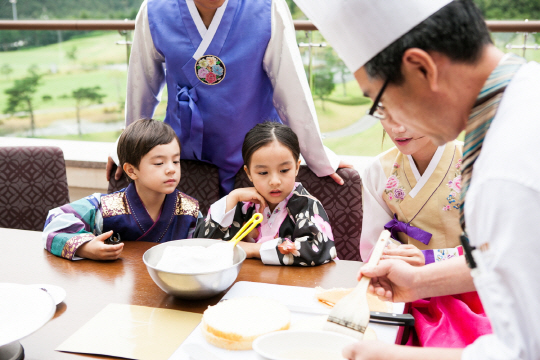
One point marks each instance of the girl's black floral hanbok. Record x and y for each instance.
(297, 232)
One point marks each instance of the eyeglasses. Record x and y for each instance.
(377, 109)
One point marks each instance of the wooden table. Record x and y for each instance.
(91, 285)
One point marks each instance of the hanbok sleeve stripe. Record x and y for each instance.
(93, 199)
(428, 255)
(61, 226)
(67, 209)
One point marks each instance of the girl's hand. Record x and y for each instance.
(407, 252)
(96, 249)
(249, 194)
(252, 249)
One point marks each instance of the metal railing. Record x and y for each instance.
(493, 25)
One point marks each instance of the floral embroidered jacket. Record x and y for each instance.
(298, 223)
(394, 189)
(69, 226)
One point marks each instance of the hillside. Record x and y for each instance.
(72, 9)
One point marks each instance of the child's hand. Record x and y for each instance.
(96, 249)
(249, 194)
(407, 252)
(252, 249)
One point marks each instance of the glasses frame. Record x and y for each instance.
(376, 102)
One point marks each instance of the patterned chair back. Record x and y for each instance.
(343, 204)
(199, 180)
(32, 182)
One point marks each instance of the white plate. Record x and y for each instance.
(58, 294)
(302, 345)
(23, 310)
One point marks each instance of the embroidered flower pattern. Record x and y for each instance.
(323, 226)
(392, 182)
(210, 69)
(455, 190)
(202, 72)
(399, 193)
(393, 188)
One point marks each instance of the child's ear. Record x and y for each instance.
(130, 171)
(247, 172)
(298, 166)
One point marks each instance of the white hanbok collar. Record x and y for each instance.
(421, 180)
(207, 35)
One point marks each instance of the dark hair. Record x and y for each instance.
(457, 31)
(265, 133)
(142, 136)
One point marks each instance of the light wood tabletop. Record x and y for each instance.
(91, 285)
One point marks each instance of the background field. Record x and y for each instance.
(98, 61)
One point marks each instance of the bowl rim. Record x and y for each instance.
(242, 251)
(287, 333)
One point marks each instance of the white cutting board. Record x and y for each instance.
(287, 295)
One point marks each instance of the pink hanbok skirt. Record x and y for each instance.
(452, 321)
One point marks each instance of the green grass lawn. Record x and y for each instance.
(110, 136)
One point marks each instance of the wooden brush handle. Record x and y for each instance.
(374, 259)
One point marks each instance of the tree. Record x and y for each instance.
(334, 62)
(323, 84)
(20, 96)
(6, 70)
(84, 97)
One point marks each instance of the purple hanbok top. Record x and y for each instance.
(213, 101)
(70, 226)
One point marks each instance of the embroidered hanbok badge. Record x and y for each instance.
(210, 69)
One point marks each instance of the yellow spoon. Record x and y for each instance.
(246, 229)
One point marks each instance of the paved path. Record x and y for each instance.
(357, 127)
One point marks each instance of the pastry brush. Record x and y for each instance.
(350, 315)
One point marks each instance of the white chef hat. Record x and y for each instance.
(360, 29)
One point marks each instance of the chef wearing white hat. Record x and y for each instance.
(433, 66)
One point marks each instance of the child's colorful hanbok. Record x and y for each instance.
(299, 219)
(423, 210)
(69, 226)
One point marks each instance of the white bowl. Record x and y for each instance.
(301, 345)
(190, 285)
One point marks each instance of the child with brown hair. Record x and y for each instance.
(150, 208)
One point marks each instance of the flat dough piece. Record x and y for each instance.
(330, 297)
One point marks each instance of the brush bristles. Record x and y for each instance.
(335, 327)
(348, 324)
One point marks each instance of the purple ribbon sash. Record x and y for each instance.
(189, 111)
(395, 226)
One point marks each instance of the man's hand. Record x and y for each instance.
(336, 177)
(96, 249)
(377, 350)
(392, 280)
(407, 252)
(368, 350)
(109, 167)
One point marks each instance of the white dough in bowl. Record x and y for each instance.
(196, 259)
